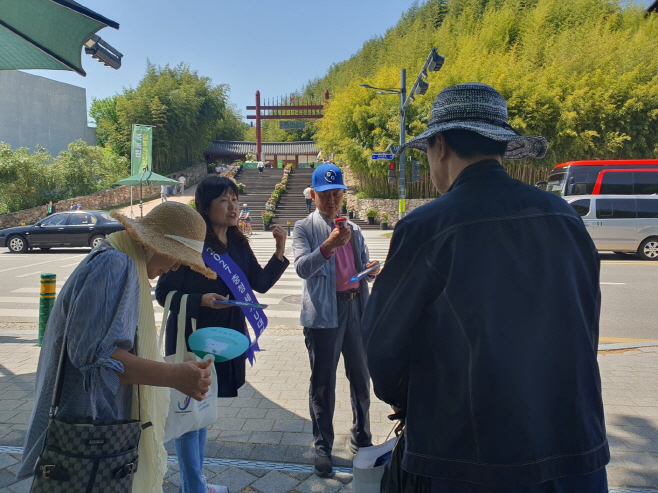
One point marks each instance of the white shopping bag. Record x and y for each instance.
(368, 466)
(185, 413)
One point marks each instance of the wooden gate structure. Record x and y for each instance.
(288, 108)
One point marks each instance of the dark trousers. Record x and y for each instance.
(324, 349)
(308, 204)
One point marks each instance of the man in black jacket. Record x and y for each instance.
(483, 327)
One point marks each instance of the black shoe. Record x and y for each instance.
(322, 466)
(354, 447)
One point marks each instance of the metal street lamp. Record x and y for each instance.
(433, 63)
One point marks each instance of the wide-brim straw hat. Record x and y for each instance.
(478, 108)
(173, 230)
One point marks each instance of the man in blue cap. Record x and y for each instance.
(328, 252)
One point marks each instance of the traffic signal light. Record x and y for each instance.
(391, 174)
(415, 172)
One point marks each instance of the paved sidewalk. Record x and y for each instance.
(261, 443)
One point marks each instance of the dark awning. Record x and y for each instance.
(46, 34)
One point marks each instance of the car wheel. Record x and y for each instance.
(649, 249)
(96, 240)
(17, 244)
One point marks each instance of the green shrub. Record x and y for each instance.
(371, 212)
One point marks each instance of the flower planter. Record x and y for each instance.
(371, 220)
(343, 210)
(351, 214)
(383, 225)
(266, 227)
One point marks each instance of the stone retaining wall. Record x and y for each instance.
(105, 199)
(389, 206)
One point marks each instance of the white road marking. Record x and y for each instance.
(615, 283)
(30, 274)
(17, 299)
(40, 263)
(286, 291)
(31, 290)
(290, 283)
(19, 312)
(70, 265)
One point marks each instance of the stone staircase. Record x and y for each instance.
(292, 205)
(257, 190)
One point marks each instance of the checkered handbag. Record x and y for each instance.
(86, 456)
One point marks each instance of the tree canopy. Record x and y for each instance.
(29, 179)
(186, 109)
(582, 73)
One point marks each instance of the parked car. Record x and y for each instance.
(621, 223)
(63, 229)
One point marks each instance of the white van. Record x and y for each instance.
(621, 223)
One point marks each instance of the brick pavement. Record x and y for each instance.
(268, 422)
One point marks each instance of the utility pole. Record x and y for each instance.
(402, 189)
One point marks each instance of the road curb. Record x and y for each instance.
(626, 345)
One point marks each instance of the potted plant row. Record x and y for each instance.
(271, 203)
(384, 222)
(371, 214)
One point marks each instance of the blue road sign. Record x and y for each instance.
(377, 157)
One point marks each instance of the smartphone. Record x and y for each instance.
(341, 222)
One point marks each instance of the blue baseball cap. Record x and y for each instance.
(327, 177)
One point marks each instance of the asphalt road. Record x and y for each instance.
(628, 286)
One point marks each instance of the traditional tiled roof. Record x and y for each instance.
(653, 7)
(232, 147)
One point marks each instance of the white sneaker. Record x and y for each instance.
(214, 488)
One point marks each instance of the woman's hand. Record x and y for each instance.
(208, 300)
(193, 378)
(280, 238)
(374, 272)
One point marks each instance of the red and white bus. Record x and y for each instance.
(604, 177)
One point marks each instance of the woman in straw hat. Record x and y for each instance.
(106, 312)
(216, 199)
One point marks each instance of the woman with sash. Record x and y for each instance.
(216, 199)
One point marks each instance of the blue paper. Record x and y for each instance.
(364, 273)
(241, 303)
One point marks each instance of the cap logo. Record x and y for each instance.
(330, 176)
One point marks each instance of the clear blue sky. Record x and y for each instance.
(275, 46)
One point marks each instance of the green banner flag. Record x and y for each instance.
(142, 145)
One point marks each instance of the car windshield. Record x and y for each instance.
(556, 183)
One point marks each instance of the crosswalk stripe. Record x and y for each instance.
(36, 290)
(19, 299)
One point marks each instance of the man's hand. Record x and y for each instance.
(193, 378)
(338, 238)
(208, 300)
(280, 239)
(374, 272)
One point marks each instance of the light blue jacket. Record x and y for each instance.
(319, 310)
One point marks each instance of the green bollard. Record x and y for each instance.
(46, 302)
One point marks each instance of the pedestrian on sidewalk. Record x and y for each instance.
(261, 167)
(309, 199)
(327, 256)
(182, 181)
(163, 193)
(104, 314)
(490, 355)
(216, 199)
(50, 209)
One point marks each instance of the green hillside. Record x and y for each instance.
(582, 73)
